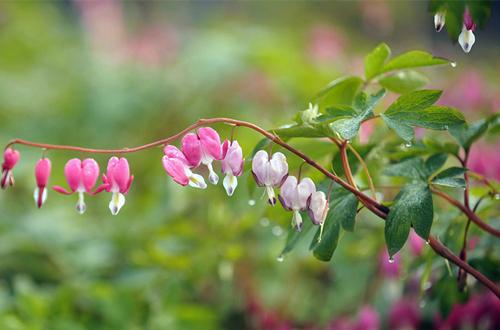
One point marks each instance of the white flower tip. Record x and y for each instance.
(466, 39)
(40, 198)
(116, 203)
(213, 178)
(270, 195)
(439, 20)
(230, 183)
(80, 205)
(297, 220)
(197, 181)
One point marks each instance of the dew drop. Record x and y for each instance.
(264, 222)
(427, 242)
(391, 260)
(407, 144)
(251, 202)
(497, 196)
(453, 64)
(277, 231)
(280, 258)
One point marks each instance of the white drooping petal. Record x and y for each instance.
(196, 181)
(288, 192)
(318, 207)
(116, 203)
(80, 205)
(304, 189)
(212, 176)
(297, 220)
(36, 196)
(439, 20)
(278, 169)
(466, 39)
(260, 166)
(270, 195)
(230, 183)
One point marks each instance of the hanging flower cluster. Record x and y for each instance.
(466, 38)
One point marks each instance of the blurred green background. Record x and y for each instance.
(110, 74)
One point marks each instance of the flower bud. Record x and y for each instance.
(10, 159)
(42, 173)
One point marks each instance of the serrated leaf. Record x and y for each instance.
(404, 81)
(413, 206)
(414, 101)
(413, 168)
(450, 177)
(336, 112)
(404, 131)
(341, 90)
(413, 59)
(375, 60)
(467, 134)
(435, 162)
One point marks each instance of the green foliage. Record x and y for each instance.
(417, 109)
(375, 60)
(340, 91)
(412, 207)
(450, 177)
(467, 134)
(404, 81)
(413, 59)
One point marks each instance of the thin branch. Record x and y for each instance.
(471, 215)
(365, 169)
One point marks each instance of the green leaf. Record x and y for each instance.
(337, 112)
(363, 105)
(363, 151)
(341, 90)
(413, 206)
(413, 168)
(263, 143)
(404, 81)
(375, 60)
(413, 59)
(450, 177)
(295, 236)
(435, 162)
(467, 134)
(416, 109)
(324, 249)
(301, 131)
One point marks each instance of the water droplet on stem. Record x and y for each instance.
(391, 260)
(280, 258)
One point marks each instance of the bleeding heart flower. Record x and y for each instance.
(417, 244)
(269, 173)
(176, 165)
(293, 196)
(317, 207)
(466, 39)
(81, 178)
(232, 165)
(203, 147)
(42, 174)
(10, 159)
(117, 181)
(439, 20)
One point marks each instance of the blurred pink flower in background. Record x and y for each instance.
(376, 16)
(416, 243)
(368, 319)
(485, 160)
(326, 44)
(468, 92)
(389, 268)
(366, 131)
(154, 45)
(404, 314)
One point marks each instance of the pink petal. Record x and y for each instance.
(90, 173)
(210, 142)
(61, 190)
(260, 167)
(232, 161)
(42, 172)
(191, 147)
(121, 174)
(10, 158)
(176, 169)
(173, 152)
(73, 173)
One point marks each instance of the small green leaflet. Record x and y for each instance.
(412, 207)
(375, 60)
(404, 81)
(467, 134)
(451, 177)
(413, 59)
(341, 90)
(415, 168)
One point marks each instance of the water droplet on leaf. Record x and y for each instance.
(407, 144)
(280, 258)
(251, 202)
(497, 196)
(453, 64)
(391, 260)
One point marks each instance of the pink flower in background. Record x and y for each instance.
(404, 314)
(203, 148)
(42, 173)
(376, 17)
(416, 243)
(480, 312)
(117, 180)
(389, 268)
(232, 165)
(269, 173)
(366, 131)
(81, 178)
(326, 44)
(294, 196)
(176, 165)
(368, 319)
(469, 93)
(10, 159)
(485, 160)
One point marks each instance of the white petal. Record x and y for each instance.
(297, 220)
(304, 189)
(288, 191)
(270, 195)
(278, 168)
(80, 205)
(197, 181)
(466, 39)
(439, 20)
(212, 176)
(260, 166)
(116, 203)
(230, 183)
(36, 195)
